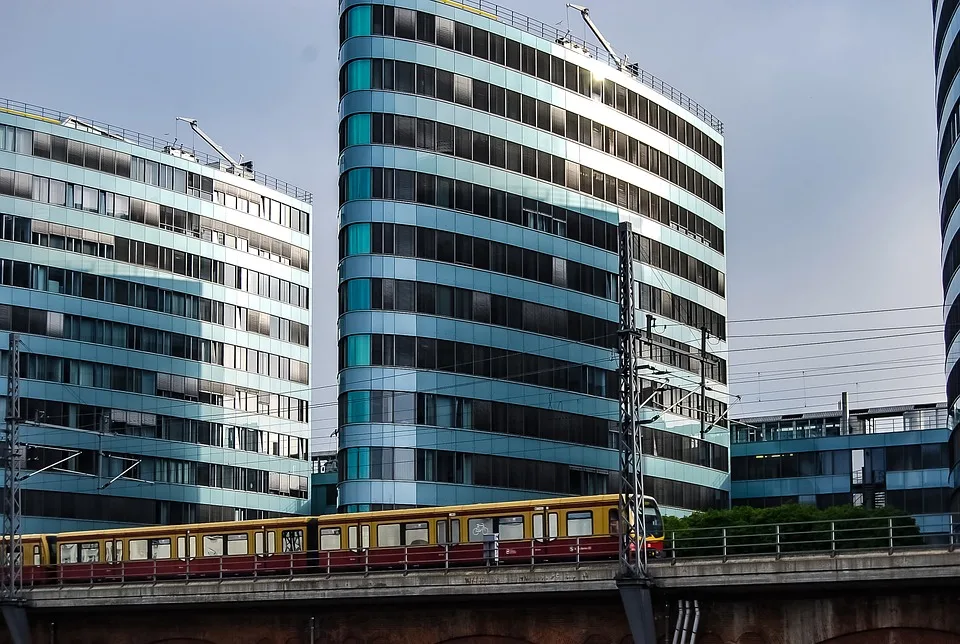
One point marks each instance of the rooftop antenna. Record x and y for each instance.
(240, 168)
(585, 12)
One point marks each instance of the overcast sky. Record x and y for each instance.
(830, 153)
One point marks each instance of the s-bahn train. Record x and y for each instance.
(562, 529)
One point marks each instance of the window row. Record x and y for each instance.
(670, 305)
(408, 408)
(686, 449)
(404, 464)
(424, 134)
(946, 13)
(178, 262)
(407, 131)
(431, 82)
(951, 196)
(443, 32)
(475, 252)
(173, 428)
(951, 132)
(951, 260)
(864, 465)
(131, 510)
(464, 143)
(151, 298)
(463, 304)
(160, 548)
(951, 65)
(915, 501)
(681, 402)
(477, 199)
(166, 470)
(667, 258)
(475, 360)
(148, 213)
(297, 295)
(683, 356)
(126, 336)
(103, 245)
(82, 373)
(231, 196)
(109, 161)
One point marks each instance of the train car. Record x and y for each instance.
(561, 529)
(197, 550)
(574, 528)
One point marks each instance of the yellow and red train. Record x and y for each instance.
(548, 530)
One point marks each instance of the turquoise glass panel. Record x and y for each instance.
(359, 182)
(358, 350)
(360, 21)
(358, 129)
(363, 463)
(359, 75)
(358, 407)
(358, 239)
(358, 295)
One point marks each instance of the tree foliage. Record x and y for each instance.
(787, 529)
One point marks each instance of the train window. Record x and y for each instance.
(454, 530)
(36, 555)
(552, 525)
(213, 545)
(160, 548)
(364, 537)
(114, 551)
(89, 552)
(441, 532)
(182, 547)
(477, 528)
(271, 542)
(416, 534)
(138, 549)
(579, 524)
(510, 528)
(68, 553)
(237, 544)
(388, 534)
(329, 538)
(292, 540)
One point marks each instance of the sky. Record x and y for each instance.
(830, 155)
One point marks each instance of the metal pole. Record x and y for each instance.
(703, 382)
(11, 589)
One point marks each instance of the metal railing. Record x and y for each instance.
(402, 559)
(147, 141)
(549, 32)
(878, 534)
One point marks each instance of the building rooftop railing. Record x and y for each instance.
(549, 32)
(147, 141)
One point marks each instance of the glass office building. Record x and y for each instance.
(162, 305)
(947, 57)
(486, 163)
(880, 457)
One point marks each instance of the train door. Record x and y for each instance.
(546, 529)
(358, 537)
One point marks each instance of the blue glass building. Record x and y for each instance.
(163, 308)
(486, 163)
(947, 57)
(880, 457)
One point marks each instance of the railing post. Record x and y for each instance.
(405, 561)
(220, 566)
(673, 545)
(724, 544)
(578, 552)
(833, 538)
(533, 550)
(366, 560)
(446, 556)
(778, 540)
(890, 532)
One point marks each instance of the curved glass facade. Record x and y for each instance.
(947, 57)
(483, 174)
(163, 309)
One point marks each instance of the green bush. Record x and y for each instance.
(803, 528)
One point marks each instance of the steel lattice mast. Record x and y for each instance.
(11, 582)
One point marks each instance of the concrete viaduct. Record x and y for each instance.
(911, 597)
